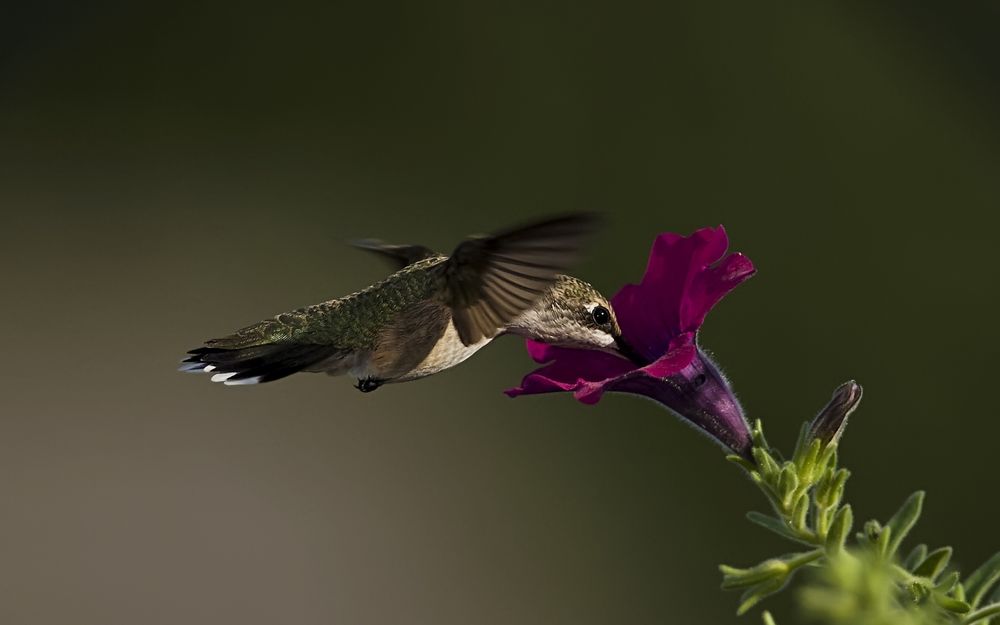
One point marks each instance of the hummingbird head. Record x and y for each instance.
(572, 313)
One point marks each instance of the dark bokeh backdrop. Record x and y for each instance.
(170, 171)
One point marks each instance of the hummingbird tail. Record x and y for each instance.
(256, 364)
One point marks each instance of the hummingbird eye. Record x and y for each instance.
(601, 315)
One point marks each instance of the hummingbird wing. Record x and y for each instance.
(492, 279)
(399, 255)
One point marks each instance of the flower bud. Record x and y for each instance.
(829, 424)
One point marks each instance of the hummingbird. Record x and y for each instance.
(431, 314)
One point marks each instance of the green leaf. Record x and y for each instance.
(775, 525)
(984, 612)
(934, 563)
(978, 583)
(839, 529)
(767, 618)
(916, 556)
(903, 521)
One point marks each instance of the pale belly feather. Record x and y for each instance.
(447, 352)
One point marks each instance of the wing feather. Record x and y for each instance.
(493, 279)
(398, 255)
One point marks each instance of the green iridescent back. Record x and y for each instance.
(350, 322)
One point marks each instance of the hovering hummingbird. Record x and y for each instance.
(431, 314)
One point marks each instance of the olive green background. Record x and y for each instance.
(171, 171)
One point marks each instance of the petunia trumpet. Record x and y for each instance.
(660, 318)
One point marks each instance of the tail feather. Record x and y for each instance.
(256, 364)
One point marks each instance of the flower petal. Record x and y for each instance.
(588, 374)
(683, 280)
(700, 395)
(570, 370)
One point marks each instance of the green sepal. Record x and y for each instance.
(882, 544)
(807, 467)
(827, 458)
(800, 510)
(934, 563)
(766, 463)
(839, 530)
(801, 443)
(869, 533)
(950, 604)
(757, 435)
(959, 592)
(775, 525)
(741, 578)
(947, 583)
(873, 529)
(768, 569)
(826, 519)
(767, 618)
(978, 583)
(918, 591)
(903, 521)
(754, 595)
(748, 466)
(788, 482)
(824, 488)
(917, 555)
(839, 483)
(984, 612)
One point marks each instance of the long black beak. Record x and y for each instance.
(629, 352)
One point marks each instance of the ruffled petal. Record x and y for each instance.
(683, 280)
(710, 286)
(589, 374)
(570, 370)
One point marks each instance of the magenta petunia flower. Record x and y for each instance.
(659, 319)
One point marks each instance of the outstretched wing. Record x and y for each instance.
(399, 255)
(492, 279)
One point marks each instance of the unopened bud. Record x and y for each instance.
(829, 424)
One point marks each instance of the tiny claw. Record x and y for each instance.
(367, 385)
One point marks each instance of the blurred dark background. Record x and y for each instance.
(171, 171)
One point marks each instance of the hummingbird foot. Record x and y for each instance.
(368, 385)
